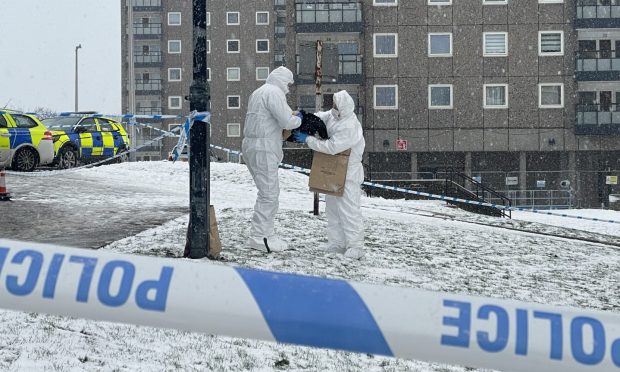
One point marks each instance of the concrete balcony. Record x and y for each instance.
(147, 31)
(597, 65)
(597, 14)
(349, 71)
(328, 17)
(150, 59)
(597, 119)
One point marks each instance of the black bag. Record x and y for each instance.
(310, 124)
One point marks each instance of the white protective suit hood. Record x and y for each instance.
(344, 103)
(281, 77)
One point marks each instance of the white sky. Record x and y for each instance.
(37, 54)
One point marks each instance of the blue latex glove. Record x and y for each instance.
(300, 115)
(300, 137)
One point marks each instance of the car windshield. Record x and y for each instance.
(64, 123)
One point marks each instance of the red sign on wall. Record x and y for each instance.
(402, 144)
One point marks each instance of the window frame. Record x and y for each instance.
(374, 3)
(550, 54)
(443, 2)
(494, 2)
(374, 45)
(485, 105)
(170, 42)
(228, 97)
(208, 46)
(441, 55)
(238, 45)
(262, 24)
(208, 20)
(449, 107)
(229, 125)
(228, 69)
(374, 97)
(238, 19)
(180, 74)
(171, 107)
(541, 106)
(180, 19)
(262, 51)
(262, 67)
(208, 73)
(484, 45)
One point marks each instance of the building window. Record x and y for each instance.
(440, 96)
(440, 44)
(551, 95)
(550, 1)
(495, 44)
(385, 2)
(232, 18)
(208, 46)
(494, 2)
(233, 74)
(439, 2)
(550, 43)
(174, 46)
(174, 74)
(495, 96)
(208, 73)
(174, 19)
(385, 45)
(262, 73)
(233, 130)
(262, 18)
(208, 18)
(386, 97)
(262, 46)
(233, 102)
(232, 46)
(174, 102)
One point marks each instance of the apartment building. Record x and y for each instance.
(521, 95)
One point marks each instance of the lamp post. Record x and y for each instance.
(79, 46)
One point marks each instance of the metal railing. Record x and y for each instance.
(148, 111)
(147, 29)
(537, 199)
(348, 64)
(597, 60)
(148, 85)
(146, 3)
(328, 12)
(593, 9)
(150, 57)
(597, 114)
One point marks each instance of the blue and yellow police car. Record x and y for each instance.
(29, 143)
(86, 139)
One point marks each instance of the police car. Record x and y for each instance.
(86, 139)
(25, 143)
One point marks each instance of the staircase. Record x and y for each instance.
(451, 183)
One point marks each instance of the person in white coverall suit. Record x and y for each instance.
(268, 114)
(345, 231)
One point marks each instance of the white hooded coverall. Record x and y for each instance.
(267, 115)
(344, 217)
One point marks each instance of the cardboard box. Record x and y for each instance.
(329, 172)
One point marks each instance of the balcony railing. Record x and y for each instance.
(150, 85)
(329, 17)
(349, 69)
(597, 13)
(148, 111)
(150, 58)
(146, 5)
(280, 30)
(279, 4)
(597, 119)
(597, 65)
(147, 30)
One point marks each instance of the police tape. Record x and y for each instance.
(303, 310)
(121, 116)
(443, 197)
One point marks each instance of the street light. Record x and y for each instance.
(79, 46)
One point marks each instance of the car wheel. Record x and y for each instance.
(124, 156)
(25, 160)
(68, 158)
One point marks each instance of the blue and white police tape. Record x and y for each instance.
(185, 130)
(122, 116)
(303, 310)
(443, 197)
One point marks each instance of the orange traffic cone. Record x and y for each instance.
(4, 193)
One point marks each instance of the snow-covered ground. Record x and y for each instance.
(419, 244)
